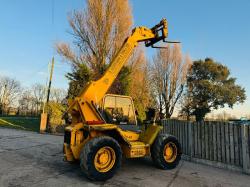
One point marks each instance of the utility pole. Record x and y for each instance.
(50, 79)
(44, 115)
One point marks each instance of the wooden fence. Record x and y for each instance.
(220, 144)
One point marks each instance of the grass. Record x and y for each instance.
(25, 123)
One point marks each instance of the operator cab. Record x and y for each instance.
(119, 110)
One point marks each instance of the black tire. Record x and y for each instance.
(88, 153)
(157, 153)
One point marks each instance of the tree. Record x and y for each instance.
(79, 77)
(169, 77)
(99, 32)
(56, 108)
(210, 86)
(38, 92)
(58, 95)
(139, 85)
(27, 103)
(9, 92)
(186, 106)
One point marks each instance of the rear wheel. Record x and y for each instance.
(166, 151)
(100, 158)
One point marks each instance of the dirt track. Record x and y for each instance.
(31, 159)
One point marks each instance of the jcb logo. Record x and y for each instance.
(138, 152)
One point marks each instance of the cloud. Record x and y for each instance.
(6, 73)
(42, 73)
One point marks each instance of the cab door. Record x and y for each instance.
(119, 110)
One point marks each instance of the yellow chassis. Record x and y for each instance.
(133, 144)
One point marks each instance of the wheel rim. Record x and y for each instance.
(105, 159)
(170, 152)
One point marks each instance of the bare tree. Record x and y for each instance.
(99, 32)
(10, 90)
(223, 116)
(58, 95)
(169, 77)
(27, 103)
(38, 92)
(31, 100)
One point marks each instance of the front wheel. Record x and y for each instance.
(166, 151)
(100, 158)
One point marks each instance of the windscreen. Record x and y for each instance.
(119, 110)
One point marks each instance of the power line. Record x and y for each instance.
(34, 73)
(52, 12)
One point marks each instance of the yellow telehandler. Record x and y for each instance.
(102, 127)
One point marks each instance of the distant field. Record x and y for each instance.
(25, 123)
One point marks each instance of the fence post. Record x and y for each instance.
(245, 156)
(190, 140)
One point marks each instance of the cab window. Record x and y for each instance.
(119, 110)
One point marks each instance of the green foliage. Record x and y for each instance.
(79, 77)
(55, 112)
(121, 83)
(210, 86)
(141, 111)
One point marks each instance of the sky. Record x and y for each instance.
(29, 30)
